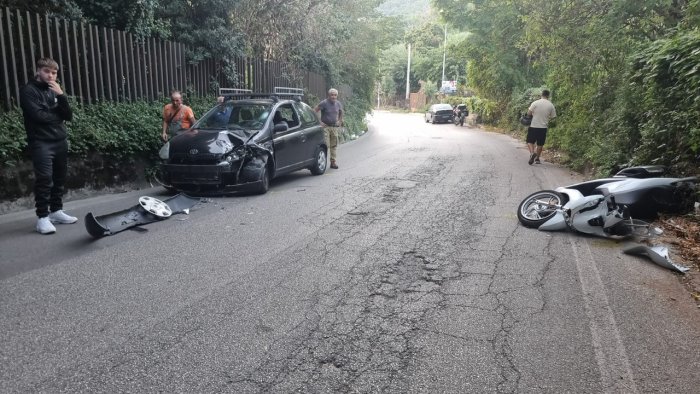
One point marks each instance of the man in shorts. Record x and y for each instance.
(542, 111)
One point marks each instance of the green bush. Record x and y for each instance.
(488, 111)
(12, 138)
(354, 118)
(119, 131)
(666, 76)
(519, 103)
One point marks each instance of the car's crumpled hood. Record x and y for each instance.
(198, 141)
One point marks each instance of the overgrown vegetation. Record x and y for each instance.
(427, 37)
(340, 40)
(119, 131)
(624, 75)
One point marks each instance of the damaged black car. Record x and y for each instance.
(243, 143)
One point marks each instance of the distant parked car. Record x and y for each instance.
(439, 113)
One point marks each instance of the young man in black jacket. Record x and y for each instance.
(45, 108)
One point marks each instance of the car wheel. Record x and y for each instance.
(320, 161)
(264, 181)
(426, 119)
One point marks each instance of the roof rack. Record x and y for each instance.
(285, 91)
(240, 94)
(225, 91)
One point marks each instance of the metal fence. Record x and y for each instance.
(98, 63)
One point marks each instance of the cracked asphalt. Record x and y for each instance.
(404, 271)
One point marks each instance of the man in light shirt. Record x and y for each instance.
(542, 111)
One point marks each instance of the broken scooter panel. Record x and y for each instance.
(658, 254)
(148, 210)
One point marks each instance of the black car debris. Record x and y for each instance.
(240, 145)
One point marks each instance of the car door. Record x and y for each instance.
(288, 144)
(312, 130)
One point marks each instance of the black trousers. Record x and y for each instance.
(50, 159)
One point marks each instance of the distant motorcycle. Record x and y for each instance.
(460, 113)
(616, 206)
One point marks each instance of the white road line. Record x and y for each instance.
(615, 371)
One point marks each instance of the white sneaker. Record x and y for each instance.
(62, 218)
(44, 226)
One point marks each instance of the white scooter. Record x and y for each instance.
(616, 206)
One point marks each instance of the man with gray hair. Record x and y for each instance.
(331, 119)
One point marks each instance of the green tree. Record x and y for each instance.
(590, 80)
(60, 8)
(587, 53)
(667, 78)
(135, 16)
(393, 61)
(498, 62)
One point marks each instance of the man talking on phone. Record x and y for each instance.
(45, 109)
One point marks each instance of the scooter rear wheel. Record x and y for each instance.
(539, 207)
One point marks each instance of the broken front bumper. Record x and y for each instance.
(205, 179)
(100, 226)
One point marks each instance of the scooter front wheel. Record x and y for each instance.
(539, 207)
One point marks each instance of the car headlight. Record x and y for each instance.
(164, 152)
(224, 145)
(234, 155)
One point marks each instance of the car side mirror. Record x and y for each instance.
(280, 127)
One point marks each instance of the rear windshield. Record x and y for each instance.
(442, 107)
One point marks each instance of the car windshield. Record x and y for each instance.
(246, 118)
(442, 107)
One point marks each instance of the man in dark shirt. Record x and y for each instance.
(222, 114)
(331, 119)
(45, 109)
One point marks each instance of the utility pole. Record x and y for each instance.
(379, 86)
(408, 73)
(457, 78)
(444, 54)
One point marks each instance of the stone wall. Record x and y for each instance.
(84, 176)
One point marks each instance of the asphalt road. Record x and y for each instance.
(404, 271)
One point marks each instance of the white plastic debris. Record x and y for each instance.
(657, 254)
